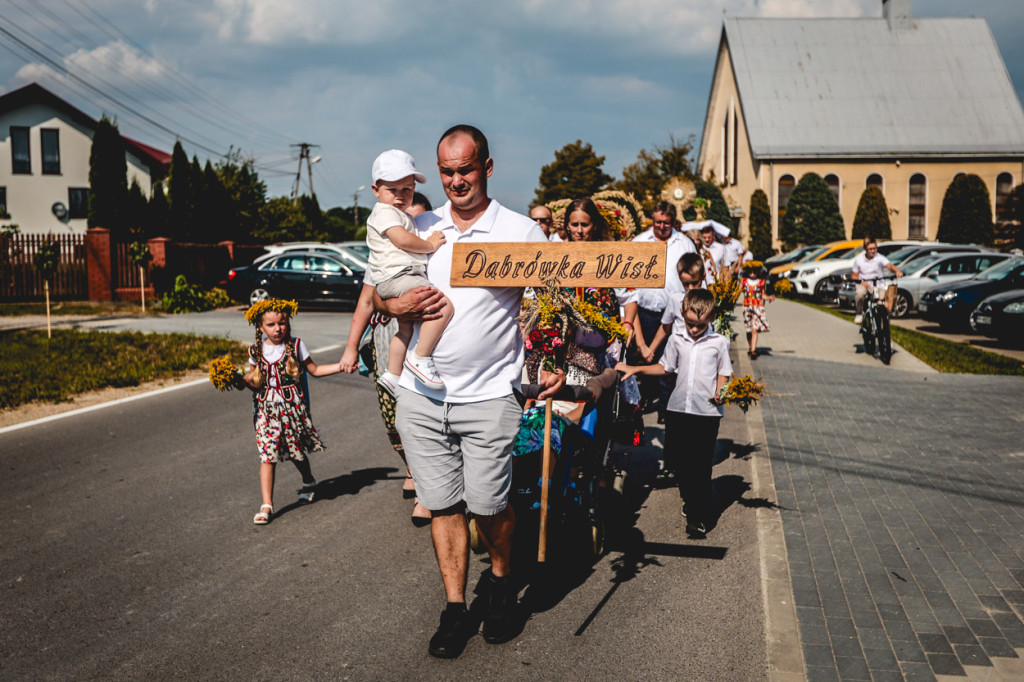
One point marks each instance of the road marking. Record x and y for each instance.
(120, 401)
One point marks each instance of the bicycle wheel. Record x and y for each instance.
(884, 339)
(868, 334)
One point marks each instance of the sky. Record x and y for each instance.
(357, 78)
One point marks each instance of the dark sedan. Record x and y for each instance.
(1001, 316)
(952, 304)
(301, 275)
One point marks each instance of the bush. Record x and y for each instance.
(217, 298)
(872, 218)
(760, 226)
(966, 216)
(190, 298)
(812, 216)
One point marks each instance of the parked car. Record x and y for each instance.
(305, 276)
(930, 270)
(352, 257)
(829, 251)
(790, 256)
(360, 248)
(952, 304)
(1001, 316)
(812, 278)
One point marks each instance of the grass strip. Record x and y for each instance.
(33, 367)
(950, 357)
(123, 308)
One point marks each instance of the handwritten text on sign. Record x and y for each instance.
(573, 264)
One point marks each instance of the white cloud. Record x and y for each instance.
(280, 22)
(116, 63)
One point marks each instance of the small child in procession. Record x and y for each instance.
(398, 263)
(699, 358)
(690, 268)
(754, 317)
(284, 429)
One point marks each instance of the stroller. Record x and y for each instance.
(570, 511)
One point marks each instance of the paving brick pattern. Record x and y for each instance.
(902, 499)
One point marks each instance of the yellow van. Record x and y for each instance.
(840, 249)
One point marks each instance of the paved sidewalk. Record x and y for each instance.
(902, 503)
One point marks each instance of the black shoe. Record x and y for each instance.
(500, 621)
(682, 510)
(696, 531)
(452, 634)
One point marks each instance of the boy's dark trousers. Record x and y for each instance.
(689, 452)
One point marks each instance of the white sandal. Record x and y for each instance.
(263, 518)
(307, 492)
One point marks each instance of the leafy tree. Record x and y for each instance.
(718, 210)
(246, 195)
(108, 179)
(966, 216)
(760, 244)
(812, 216)
(575, 172)
(180, 194)
(645, 178)
(284, 220)
(872, 218)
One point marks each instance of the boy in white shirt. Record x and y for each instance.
(700, 360)
(398, 263)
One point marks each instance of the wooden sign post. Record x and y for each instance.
(573, 264)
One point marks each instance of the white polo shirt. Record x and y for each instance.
(696, 365)
(870, 269)
(657, 299)
(480, 354)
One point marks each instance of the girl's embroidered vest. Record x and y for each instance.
(753, 292)
(288, 387)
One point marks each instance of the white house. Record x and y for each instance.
(44, 161)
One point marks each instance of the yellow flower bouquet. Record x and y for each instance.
(224, 375)
(743, 392)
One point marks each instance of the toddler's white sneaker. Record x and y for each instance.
(389, 382)
(424, 371)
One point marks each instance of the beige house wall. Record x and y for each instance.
(751, 174)
(31, 196)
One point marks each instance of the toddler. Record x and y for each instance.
(398, 263)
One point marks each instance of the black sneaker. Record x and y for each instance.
(500, 621)
(696, 530)
(682, 509)
(452, 634)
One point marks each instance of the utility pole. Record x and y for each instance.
(304, 148)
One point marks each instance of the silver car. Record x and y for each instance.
(925, 272)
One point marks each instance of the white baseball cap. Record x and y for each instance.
(394, 164)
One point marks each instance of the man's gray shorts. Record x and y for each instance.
(406, 279)
(459, 451)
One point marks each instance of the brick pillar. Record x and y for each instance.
(159, 248)
(229, 246)
(98, 258)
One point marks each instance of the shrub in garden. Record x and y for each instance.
(760, 226)
(966, 216)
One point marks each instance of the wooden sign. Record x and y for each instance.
(573, 264)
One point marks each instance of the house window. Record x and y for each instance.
(1004, 188)
(787, 183)
(875, 180)
(21, 158)
(4, 215)
(78, 202)
(832, 180)
(50, 142)
(918, 194)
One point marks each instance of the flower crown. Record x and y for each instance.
(256, 311)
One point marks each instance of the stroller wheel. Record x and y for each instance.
(475, 543)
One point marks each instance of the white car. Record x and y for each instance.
(351, 257)
(811, 278)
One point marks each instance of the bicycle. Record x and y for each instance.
(875, 327)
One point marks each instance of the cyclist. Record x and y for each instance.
(868, 268)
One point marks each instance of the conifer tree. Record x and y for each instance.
(180, 195)
(108, 179)
(966, 216)
(575, 172)
(760, 244)
(872, 217)
(812, 215)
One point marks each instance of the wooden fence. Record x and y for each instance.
(19, 279)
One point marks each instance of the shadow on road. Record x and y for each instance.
(349, 484)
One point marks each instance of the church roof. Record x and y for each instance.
(854, 87)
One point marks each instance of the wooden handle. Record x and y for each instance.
(545, 467)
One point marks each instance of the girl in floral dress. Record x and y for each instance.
(754, 317)
(284, 430)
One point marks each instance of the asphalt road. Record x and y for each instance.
(129, 553)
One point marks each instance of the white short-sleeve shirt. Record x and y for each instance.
(696, 365)
(386, 259)
(480, 354)
(870, 269)
(657, 299)
(717, 260)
